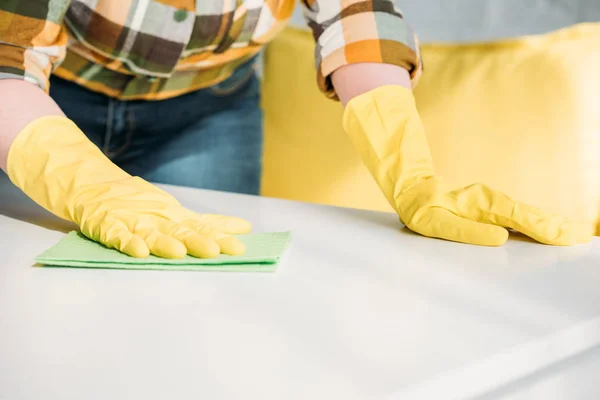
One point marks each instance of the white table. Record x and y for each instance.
(358, 309)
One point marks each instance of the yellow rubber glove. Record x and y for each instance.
(386, 129)
(56, 165)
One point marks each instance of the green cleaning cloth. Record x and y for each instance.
(263, 251)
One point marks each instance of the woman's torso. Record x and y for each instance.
(160, 48)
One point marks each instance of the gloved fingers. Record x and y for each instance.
(196, 244)
(229, 245)
(544, 227)
(478, 202)
(223, 223)
(203, 241)
(115, 234)
(201, 246)
(440, 223)
(162, 245)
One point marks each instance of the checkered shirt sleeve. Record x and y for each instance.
(360, 31)
(32, 42)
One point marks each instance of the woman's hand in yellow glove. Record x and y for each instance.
(55, 164)
(479, 215)
(386, 129)
(138, 218)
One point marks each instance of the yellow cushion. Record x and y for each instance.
(522, 116)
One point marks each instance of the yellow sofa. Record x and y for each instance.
(519, 115)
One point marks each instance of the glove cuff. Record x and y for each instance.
(386, 130)
(50, 157)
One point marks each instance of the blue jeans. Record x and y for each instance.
(211, 138)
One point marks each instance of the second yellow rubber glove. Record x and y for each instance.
(385, 128)
(56, 165)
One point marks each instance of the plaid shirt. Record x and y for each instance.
(155, 49)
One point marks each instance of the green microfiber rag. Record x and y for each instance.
(263, 251)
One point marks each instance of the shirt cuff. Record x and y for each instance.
(25, 64)
(368, 37)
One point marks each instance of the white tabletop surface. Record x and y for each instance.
(358, 309)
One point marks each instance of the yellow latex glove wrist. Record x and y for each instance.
(385, 128)
(55, 164)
